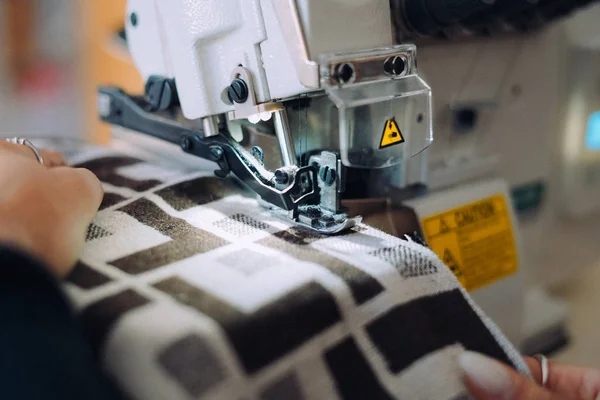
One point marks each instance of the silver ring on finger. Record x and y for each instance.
(26, 142)
(544, 366)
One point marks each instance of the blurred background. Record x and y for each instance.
(54, 52)
(544, 128)
(39, 74)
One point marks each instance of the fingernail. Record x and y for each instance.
(486, 373)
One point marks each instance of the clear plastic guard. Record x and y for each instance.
(383, 123)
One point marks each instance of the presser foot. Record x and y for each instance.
(324, 222)
(315, 218)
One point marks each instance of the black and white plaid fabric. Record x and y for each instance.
(187, 289)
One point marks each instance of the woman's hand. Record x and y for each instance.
(488, 379)
(45, 209)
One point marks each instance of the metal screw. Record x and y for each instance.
(216, 153)
(161, 92)
(186, 143)
(238, 91)
(133, 18)
(327, 175)
(281, 177)
(344, 73)
(394, 65)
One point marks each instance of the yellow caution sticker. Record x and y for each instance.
(391, 134)
(475, 241)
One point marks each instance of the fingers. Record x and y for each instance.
(487, 379)
(51, 158)
(17, 149)
(92, 182)
(535, 368)
(80, 196)
(46, 211)
(81, 188)
(569, 380)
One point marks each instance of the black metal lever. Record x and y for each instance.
(118, 108)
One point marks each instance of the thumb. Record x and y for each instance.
(81, 190)
(487, 379)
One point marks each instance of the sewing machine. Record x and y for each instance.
(318, 107)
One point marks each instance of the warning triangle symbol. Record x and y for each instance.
(451, 263)
(391, 134)
(444, 228)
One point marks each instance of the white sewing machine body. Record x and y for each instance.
(289, 49)
(327, 73)
(202, 42)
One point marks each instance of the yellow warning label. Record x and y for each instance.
(391, 134)
(475, 241)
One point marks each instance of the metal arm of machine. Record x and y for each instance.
(118, 108)
(299, 197)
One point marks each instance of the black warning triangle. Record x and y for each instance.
(451, 263)
(391, 134)
(444, 228)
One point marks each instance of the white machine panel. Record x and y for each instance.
(201, 42)
(206, 41)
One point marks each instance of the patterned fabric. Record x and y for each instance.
(187, 289)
